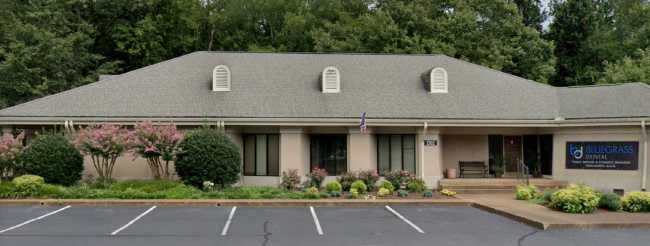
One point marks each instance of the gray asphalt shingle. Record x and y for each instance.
(287, 85)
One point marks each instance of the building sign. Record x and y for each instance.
(602, 155)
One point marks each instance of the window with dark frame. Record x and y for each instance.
(395, 152)
(329, 152)
(262, 155)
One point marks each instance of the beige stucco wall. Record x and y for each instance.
(464, 148)
(126, 167)
(429, 158)
(600, 179)
(362, 151)
(294, 151)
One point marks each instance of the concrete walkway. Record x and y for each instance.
(545, 218)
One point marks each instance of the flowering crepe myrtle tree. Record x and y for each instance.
(104, 144)
(158, 144)
(10, 149)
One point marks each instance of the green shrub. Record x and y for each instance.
(548, 192)
(399, 178)
(387, 185)
(427, 194)
(290, 179)
(7, 190)
(346, 180)
(312, 189)
(333, 186)
(54, 158)
(316, 177)
(416, 185)
(526, 192)
(324, 194)
(335, 193)
(208, 155)
(575, 199)
(636, 201)
(383, 192)
(360, 186)
(610, 201)
(28, 185)
(402, 193)
(354, 193)
(370, 177)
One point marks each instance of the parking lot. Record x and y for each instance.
(185, 225)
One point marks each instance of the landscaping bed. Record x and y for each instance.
(582, 199)
(164, 189)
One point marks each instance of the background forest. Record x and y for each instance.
(47, 46)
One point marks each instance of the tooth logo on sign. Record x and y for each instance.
(577, 151)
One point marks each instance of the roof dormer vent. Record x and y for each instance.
(221, 78)
(438, 81)
(331, 80)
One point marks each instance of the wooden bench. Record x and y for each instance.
(477, 168)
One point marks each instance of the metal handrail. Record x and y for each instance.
(523, 172)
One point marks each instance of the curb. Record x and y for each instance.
(554, 226)
(237, 202)
(522, 219)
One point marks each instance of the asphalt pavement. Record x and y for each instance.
(186, 225)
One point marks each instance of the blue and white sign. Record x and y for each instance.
(602, 155)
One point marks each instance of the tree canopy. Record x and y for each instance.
(48, 46)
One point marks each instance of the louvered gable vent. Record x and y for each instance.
(221, 78)
(438, 80)
(331, 80)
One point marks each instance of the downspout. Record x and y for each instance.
(645, 155)
(424, 133)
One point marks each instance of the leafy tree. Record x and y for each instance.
(138, 33)
(629, 69)
(579, 31)
(532, 13)
(45, 48)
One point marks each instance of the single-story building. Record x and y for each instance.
(423, 113)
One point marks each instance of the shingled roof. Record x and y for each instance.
(287, 85)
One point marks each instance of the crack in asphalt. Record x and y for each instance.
(523, 237)
(267, 234)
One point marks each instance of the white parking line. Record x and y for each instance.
(133, 221)
(313, 215)
(405, 219)
(227, 225)
(35, 219)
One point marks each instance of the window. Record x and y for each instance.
(395, 152)
(330, 153)
(331, 80)
(262, 155)
(438, 79)
(221, 78)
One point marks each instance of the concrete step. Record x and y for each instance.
(483, 185)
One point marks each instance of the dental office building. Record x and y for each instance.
(424, 114)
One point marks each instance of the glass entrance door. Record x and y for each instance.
(512, 152)
(329, 152)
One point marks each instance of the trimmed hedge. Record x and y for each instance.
(208, 155)
(610, 201)
(54, 158)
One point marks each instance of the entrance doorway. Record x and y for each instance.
(512, 152)
(536, 151)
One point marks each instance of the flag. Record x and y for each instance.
(362, 126)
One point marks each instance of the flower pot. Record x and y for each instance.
(451, 173)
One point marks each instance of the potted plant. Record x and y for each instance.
(499, 167)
